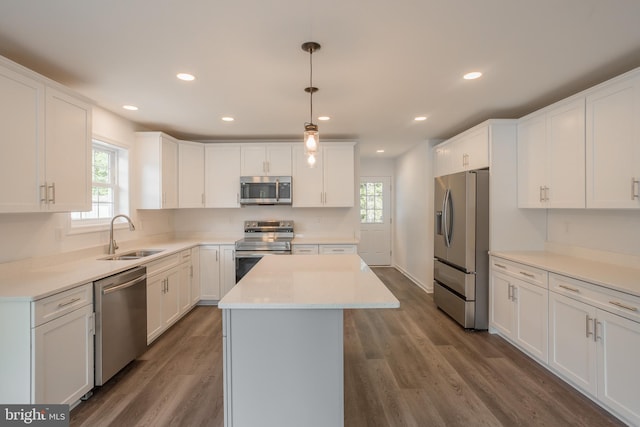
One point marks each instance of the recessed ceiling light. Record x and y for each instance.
(420, 118)
(186, 77)
(473, 75)
(227, 119)
(130, 107)
(324, 118)
(379, 151)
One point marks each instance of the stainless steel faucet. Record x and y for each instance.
(112, 242)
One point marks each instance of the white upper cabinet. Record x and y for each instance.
(222, 175)
(22, 124)
(157, 164)
(466, 151)
(68, 152)
(551, 153)
(613, 144)
(190, 175)
(265, 159)
(330, 183)
(46, 147)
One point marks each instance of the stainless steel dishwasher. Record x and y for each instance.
(121, 321)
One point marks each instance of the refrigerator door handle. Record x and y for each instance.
(446, 209)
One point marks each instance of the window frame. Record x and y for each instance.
(119, 171)
(374, 207)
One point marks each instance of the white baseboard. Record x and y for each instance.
(427, 288)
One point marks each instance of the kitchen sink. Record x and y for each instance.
(137, 254)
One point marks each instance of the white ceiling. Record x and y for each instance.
(381, 64)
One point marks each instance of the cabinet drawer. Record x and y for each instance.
(52, 307)
(524, 272)
(185, 256)
(337, 249)
(162, 264)
(610, 300)
(305, 249)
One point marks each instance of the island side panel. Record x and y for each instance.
(283, 367)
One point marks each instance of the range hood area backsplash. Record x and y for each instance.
(342, 222)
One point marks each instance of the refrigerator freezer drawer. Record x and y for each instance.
(459, 281)
(460, 310)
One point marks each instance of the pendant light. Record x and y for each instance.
(311, 136)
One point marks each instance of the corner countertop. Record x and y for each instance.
(612, 276)
(22, 281)
(309, 282)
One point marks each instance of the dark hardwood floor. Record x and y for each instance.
(411, 366)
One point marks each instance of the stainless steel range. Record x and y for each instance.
(272, 237)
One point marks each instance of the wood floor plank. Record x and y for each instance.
(412, 366)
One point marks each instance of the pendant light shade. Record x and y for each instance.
(311, 136)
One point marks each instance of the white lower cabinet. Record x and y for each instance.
(593, 332)
(63, 364)
(209, 273)
(594, 343)
(195, 275)
(519, 308)
(217, 271)
(310, 249)
(186, 277)
(337, 249)
(47, 348)
(163, 295)
(304, 249)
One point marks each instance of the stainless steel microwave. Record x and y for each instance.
(265, 190)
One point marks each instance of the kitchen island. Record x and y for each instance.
(283, 338)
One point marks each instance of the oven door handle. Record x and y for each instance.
(250, 255)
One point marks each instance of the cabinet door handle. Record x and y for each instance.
(514, 293)
(500, 266)
(635, 188)
(621, 305)
(541, 195)
(569, 288)
(587, 320)
(509, 292)
(524, 273)
(191, 268)
(595, 330)
(71, 301)
(52, 199)
(43, 193)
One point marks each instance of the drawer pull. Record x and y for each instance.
(500, 265)
(621, 305)
(71, 301)
(569, 288)
(528, 274)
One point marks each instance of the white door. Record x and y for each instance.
(375, 220)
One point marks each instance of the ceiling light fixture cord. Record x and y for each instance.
(311, 85)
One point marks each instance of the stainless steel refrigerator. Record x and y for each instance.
(461, 266)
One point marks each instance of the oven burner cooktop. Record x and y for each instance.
(271, 236)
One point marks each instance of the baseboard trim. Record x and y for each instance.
(418, 283)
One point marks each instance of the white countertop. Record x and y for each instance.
(309, 282)
(619, 278)
(310, 240)
(24, 282)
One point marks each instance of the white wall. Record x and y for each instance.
(42, 234)
(612, 235)
(413, 231)
(309, 222)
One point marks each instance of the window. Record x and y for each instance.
(109, 189)
(371, 203)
